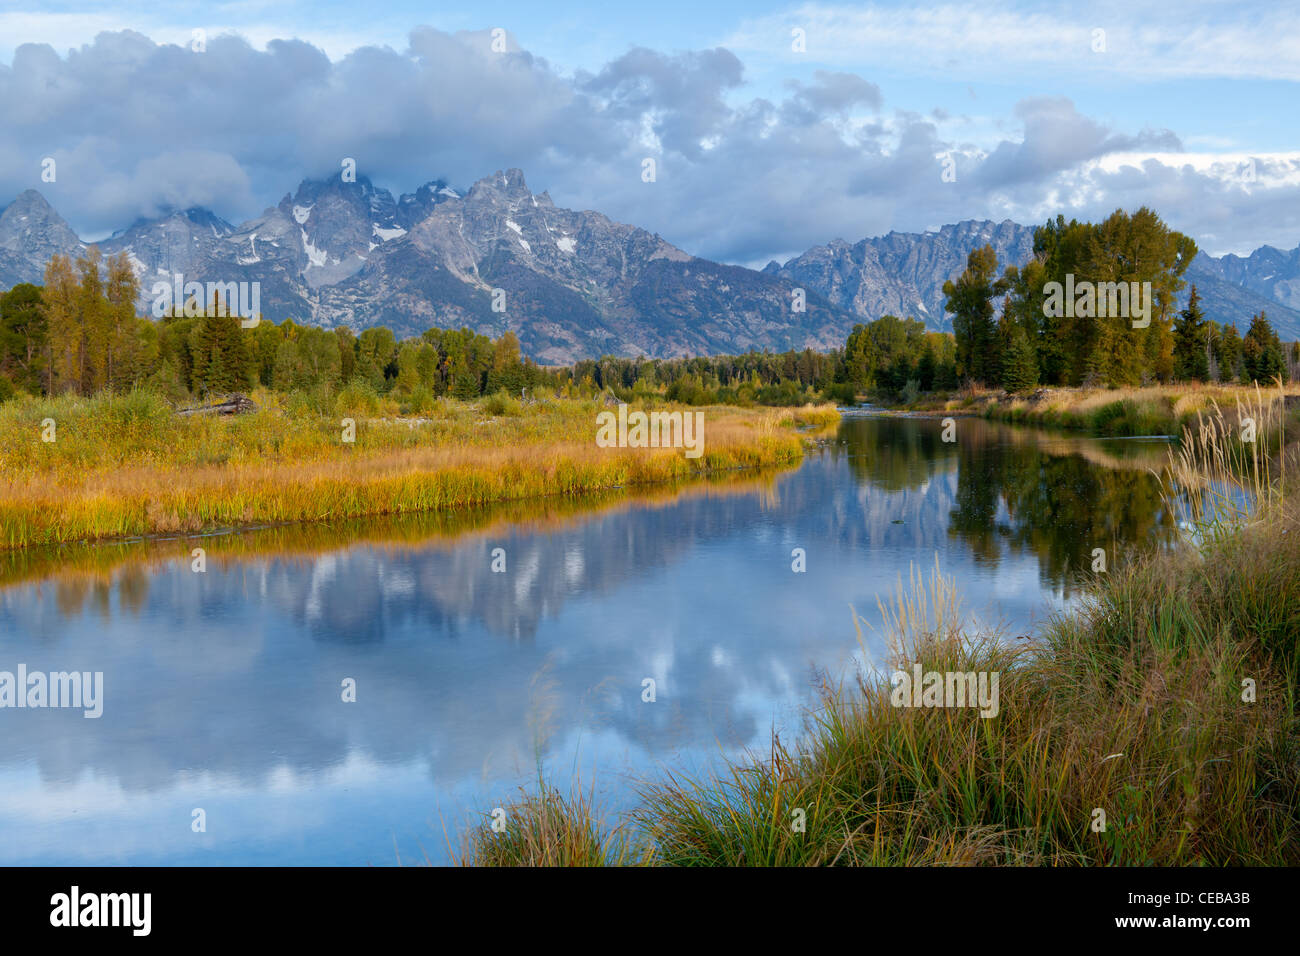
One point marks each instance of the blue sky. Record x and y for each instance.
(1170, 106)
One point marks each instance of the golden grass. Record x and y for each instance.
(1151, 410)
(103, 563)
(126, 466)
(1230, 466)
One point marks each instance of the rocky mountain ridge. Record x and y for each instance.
(571, 284)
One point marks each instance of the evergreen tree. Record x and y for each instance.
(1020, 364)
(222, 359)
(1191, 360)
(1023, 308)
(1263, 358)
(23, 336)
(1229, 354)
(925, 369)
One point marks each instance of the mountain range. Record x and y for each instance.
(903, 274)
(569, 284)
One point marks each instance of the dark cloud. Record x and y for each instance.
(137, 127)
(831, 94)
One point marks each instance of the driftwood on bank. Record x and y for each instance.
(234, 405)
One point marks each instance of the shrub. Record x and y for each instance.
(842, 393)
(421, 401)
(692, 393)
(501, 404)
(358, 397)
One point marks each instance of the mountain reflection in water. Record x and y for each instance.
(223, 689)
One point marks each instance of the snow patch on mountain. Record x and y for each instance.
(315, 257)
(252, 259)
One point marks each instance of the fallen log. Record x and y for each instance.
(234, 405)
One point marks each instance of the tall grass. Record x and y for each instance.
(1120, 412)
(123, 466)
(1230, 468)
(546, 828)
(76, 565)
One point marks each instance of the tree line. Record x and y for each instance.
(79, 333)
(1095, 305)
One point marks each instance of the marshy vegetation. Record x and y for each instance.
(1153, 724)
(114, 466)
(79, 568)
(1125, 412)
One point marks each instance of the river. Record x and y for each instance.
(225, 736)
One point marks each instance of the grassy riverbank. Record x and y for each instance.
(82, 568)
(1116, 412)
(1155, 724)
(123, 466)
(1133, 706)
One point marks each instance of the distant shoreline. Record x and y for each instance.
(1150, 411)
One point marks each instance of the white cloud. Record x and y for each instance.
(1143, 38)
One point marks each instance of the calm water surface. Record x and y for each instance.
(222, 690)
